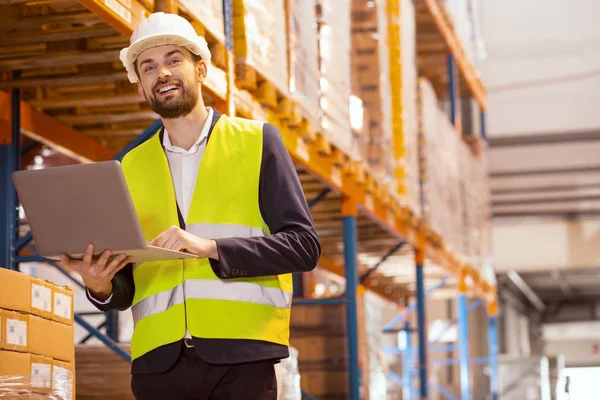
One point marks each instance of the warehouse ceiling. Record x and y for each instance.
(548, 175)
(543, 124)
(556, 296)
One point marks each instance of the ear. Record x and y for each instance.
(140, 89)
(201, 70)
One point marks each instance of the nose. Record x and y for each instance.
(164, 72)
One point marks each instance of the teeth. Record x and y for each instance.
(167, 88)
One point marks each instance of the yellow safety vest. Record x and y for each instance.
(172, 296)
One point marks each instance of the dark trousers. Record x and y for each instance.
(193, 379)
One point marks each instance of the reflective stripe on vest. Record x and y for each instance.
(220, 231)
(211, 289)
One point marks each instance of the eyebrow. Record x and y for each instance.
(169, 54)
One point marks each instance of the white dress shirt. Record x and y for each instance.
(184, 165)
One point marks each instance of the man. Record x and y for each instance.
(221, 188)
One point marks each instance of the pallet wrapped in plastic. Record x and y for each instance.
(370, 81)
(303, 50)
(29, 376)
(410, 158)
(210, 14)
(476, 203)
(441, 149)
(378, 312)
(333, 17)
(318, 332)
(288, 377)
(260, 40)
(466, 17)
(451, 211)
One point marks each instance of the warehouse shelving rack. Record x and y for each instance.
(355, 214)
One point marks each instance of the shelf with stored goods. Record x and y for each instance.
(354, 140)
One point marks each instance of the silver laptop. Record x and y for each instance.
(69, 207)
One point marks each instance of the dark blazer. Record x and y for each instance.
(292, 247)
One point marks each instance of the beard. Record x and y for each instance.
(174, 107)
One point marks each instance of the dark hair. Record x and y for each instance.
(195, 58)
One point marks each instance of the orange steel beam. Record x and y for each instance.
(123, 16)
(466, 68)
(47, 130)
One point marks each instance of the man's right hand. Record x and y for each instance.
(97, 275)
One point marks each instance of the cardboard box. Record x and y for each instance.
(62, 304)
(25, 372)
(40, 342)
(41, 374)
(63, 380)
(15, 289)
(15, 331)
(62, 339)
(15, 364)
(41, 297)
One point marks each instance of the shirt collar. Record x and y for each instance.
(203, 135)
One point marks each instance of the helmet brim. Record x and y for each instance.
(129, 55)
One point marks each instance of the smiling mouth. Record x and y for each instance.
(167, 89)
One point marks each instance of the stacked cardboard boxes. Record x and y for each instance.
(445, 211)
(260, 40)
(370, 80)
(210, 14)
(304, 57)
(409, 160)
(37, 351)
(318, 332)
(333, 17)
(384, 75)
(476, 201)
(457, 193)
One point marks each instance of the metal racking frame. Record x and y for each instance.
(360, 194)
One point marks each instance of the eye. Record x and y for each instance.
(174, 61)
(149, 68)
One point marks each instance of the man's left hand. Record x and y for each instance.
(177, 239)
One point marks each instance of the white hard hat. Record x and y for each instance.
(162, 29)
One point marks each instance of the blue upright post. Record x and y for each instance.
(463, 344)
(482, 120)
(408, 363)
(9, 162)
(349, 212)
(15, 221)
(6, 151)
(422, 330)
(228, 24)
(452, 88)
(493, 349)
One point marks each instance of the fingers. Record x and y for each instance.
(172, 243)
(87, 257)
(168, 238)
(160, 239)
(102, 260)
(117, 264)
